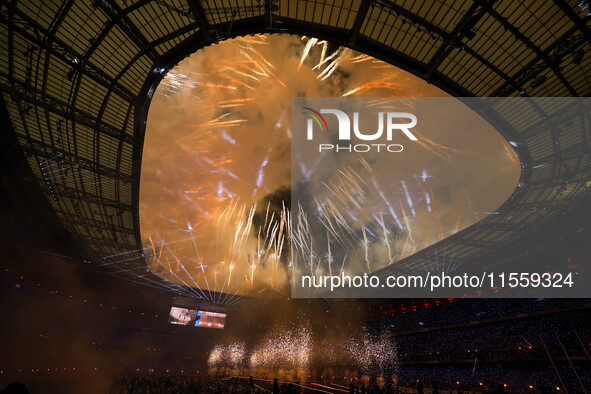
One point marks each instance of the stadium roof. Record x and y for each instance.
(77, 77)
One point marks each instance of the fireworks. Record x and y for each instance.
(361, 221)
(295, 347)
(221, 144)
(283, 348)
(371, 354)
(231, 355)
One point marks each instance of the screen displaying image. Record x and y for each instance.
(210, 319)
(182, 316)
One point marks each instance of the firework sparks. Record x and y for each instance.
(294, 346)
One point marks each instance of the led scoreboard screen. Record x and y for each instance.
(197, 318)
(210, 319)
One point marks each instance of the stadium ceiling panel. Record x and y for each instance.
(77, 76)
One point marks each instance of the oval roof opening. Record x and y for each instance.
(216, 166)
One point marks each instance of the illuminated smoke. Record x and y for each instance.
(218, 142)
